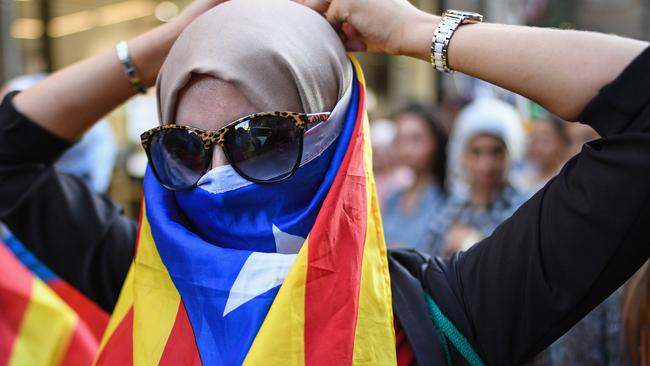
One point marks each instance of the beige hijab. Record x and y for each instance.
(282, 56)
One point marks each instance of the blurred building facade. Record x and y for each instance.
(50, 34)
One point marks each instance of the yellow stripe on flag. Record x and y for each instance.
(45, 331)
(280, 340)
(374, 341)
(124, 304)
(157, 301)
(358, 70)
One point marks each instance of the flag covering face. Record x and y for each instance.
(224, 276)
(43, 321)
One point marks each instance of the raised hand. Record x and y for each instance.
(60, 103)
(389, 26)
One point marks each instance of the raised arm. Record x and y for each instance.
(580, 237)
(560, 69)
(70, 101)
(82, 236)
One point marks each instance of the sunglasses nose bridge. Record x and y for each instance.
(214, 142)
(218, 157)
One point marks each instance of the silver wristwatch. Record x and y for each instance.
(451, 20)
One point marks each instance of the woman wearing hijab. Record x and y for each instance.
(233, 191)
(207, 285)
(487, 137)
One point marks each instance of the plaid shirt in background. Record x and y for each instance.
(458, 210)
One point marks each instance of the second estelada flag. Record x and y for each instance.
(37, 327)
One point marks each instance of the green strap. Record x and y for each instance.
(446, 328)
(445, 345)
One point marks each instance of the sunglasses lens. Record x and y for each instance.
(266, 148)
(178, 158)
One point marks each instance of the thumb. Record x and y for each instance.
(353, 40)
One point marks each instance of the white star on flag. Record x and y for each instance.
(264, 271)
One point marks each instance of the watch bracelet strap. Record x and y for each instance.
(440, 42)
(134, 79)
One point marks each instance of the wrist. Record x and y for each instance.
(417, 35)
(149, 50)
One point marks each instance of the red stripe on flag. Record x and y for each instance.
(119, 349)
(15, 294)
(92, 315)
(335, 259)
(181, 346)
(82, 348)
(405, 355)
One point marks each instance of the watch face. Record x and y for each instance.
(476, 17)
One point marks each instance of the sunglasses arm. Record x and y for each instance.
(315, 118)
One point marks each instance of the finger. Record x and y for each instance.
(319, 6)
(353, 40)
(335, 14)
(350, 31)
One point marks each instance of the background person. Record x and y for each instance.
(597, 340)
(636, 316)
(91, 160)
(420, 146)
(487, 136)
(614, 333)
(390, 176)
(93, 157)
(547, 152)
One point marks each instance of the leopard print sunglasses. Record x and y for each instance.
(262, 148)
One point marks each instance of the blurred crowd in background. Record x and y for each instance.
(451, 163)
(447, 181)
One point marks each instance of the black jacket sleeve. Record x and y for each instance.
(570, 246)
(80, 235)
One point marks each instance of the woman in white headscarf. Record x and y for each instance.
(487, 138)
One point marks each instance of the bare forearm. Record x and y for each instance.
(560, 69)
(71, 100)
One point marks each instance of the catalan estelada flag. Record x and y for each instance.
(37, 327)
(293, 273)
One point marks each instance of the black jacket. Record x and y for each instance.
(561, 254)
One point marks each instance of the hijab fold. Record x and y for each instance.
(253, 44)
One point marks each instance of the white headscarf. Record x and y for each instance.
(484, 116)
